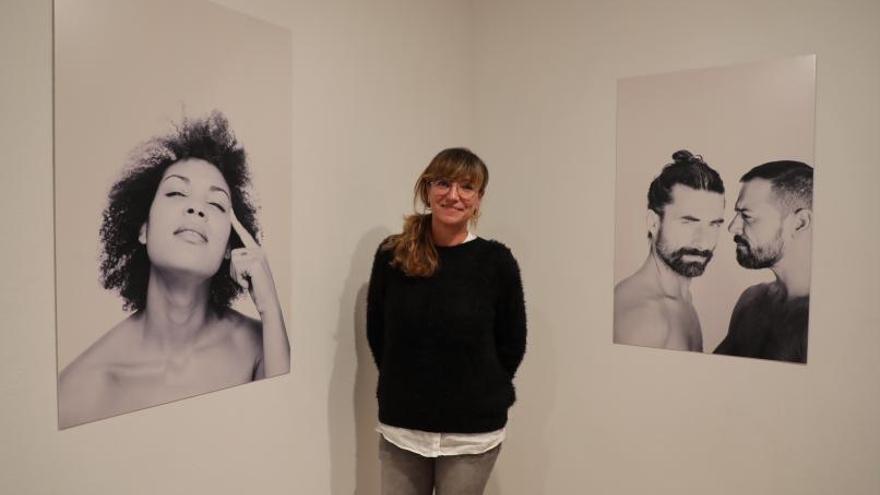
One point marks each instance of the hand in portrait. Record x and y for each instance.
(249, 267)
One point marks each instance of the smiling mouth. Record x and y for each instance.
(191, 236)
(451, 207)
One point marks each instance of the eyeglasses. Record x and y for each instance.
(466, 191)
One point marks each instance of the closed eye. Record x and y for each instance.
(742, 213)
(174, 193)
(219, 207)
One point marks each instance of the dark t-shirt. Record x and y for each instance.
(766, 325)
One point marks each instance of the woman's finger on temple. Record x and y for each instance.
(246, 238)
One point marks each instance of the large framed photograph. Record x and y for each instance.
(172, 193)
(714, 209)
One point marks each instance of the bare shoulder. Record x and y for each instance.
(83, 382)
(628, 293)
(641, 321)
(634, 297)
(104, 352)
(241, 331)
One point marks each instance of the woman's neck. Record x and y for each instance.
(448, 235)
(176, 310)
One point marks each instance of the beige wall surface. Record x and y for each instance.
(594, 417)
(379, 87)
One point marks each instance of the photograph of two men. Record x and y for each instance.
(714, 210)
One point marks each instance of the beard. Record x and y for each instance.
(674, 259)
(755, 256)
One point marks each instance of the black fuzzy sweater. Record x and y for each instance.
(447, 346)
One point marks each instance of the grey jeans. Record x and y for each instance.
(408, 473)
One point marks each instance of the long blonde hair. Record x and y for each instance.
(414, 250)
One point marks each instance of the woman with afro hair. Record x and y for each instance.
(178, 246)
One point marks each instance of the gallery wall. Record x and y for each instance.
(368, 112)
(595, 417)
(378, 87)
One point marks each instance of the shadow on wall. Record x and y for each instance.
(351, 403)
(524, 461)
(492, 487)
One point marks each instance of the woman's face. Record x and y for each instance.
(188, 226)
(453, 203)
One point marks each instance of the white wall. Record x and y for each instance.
(378, 88)
(594, 417)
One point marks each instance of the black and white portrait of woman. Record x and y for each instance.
(178, 245)
(173, 177)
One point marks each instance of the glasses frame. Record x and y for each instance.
(443, 186)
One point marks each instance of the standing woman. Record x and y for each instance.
(446, 325)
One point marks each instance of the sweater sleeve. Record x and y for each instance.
(510, 320)
(376, 306)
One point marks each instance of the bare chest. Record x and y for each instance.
(683, 320)
(147, 380)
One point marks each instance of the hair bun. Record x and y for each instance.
(682, 156)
